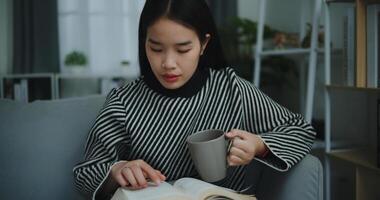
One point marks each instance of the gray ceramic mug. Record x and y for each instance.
(209, 149)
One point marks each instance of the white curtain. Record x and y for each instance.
(105, 30)
(6, 29)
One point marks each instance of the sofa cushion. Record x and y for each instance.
(303, 181)
(40, 143)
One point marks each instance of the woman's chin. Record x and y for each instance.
(171, 86)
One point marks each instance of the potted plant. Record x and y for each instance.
(279, 73)
(125, 63)
(239, 38)
(76, 61)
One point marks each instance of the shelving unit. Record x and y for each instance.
(87, 84)
(45, 86)
(367, 174)
(360, 64)
(312, 51)
(18, 86)
(351, 116)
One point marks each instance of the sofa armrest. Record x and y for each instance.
(303, 181)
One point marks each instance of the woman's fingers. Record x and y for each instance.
(239, 153)
(163, 177)
(136, 174)
(239, 143)
(234, 160)
(160, 175)
(151, 173)
(129, 176)
(121, 180)
(139, 176)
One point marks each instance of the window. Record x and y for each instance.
(105, 30)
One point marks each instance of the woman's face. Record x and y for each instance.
(173, 51)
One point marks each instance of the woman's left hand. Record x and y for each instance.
(245, 146)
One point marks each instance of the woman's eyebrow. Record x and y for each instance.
(153, 41)
(183, 43)
(177, 44)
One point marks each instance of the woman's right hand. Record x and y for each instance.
(135, 174)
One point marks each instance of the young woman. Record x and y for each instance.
(185, 87)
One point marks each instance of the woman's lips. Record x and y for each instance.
(171, 78)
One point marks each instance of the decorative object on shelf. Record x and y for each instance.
(282, 40)
(306, 40)
(247, 34)
(76, 61)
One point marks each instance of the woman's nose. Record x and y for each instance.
(169, 61)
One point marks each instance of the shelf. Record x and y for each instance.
(353, 1)
(340, 1)
(285, 51)
(87, 75)
(320, 144)
(296, 51)
(352, 88)
(372, 1)
(33, 75)
(362, 157)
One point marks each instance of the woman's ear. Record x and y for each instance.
(205, 42)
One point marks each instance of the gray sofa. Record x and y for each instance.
(40, 142)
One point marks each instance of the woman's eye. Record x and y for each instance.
(156, 50)
(184, 51)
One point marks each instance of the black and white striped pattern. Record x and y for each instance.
(138, 123)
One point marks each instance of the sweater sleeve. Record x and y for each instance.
(101, 150)
(287, 135)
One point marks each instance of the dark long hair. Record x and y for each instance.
(194, 14)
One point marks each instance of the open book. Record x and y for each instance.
(182, 189)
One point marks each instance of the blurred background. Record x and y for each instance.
(97, 39)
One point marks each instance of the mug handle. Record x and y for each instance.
(229, 142)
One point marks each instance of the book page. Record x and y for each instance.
(205, 191)
(164, 191)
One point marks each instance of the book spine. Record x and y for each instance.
(378, 132)
(345, 52)
(350, 57)
(372, 71)
(17, 92)
(377, 48)
(24, 90)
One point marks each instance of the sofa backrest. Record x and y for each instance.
(40, 142)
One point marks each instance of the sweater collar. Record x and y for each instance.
(189, 89)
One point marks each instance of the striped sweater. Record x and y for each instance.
(138, 123)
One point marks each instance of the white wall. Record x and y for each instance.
(5, 36)
(248, 9)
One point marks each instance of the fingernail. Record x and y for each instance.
(157, 182)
